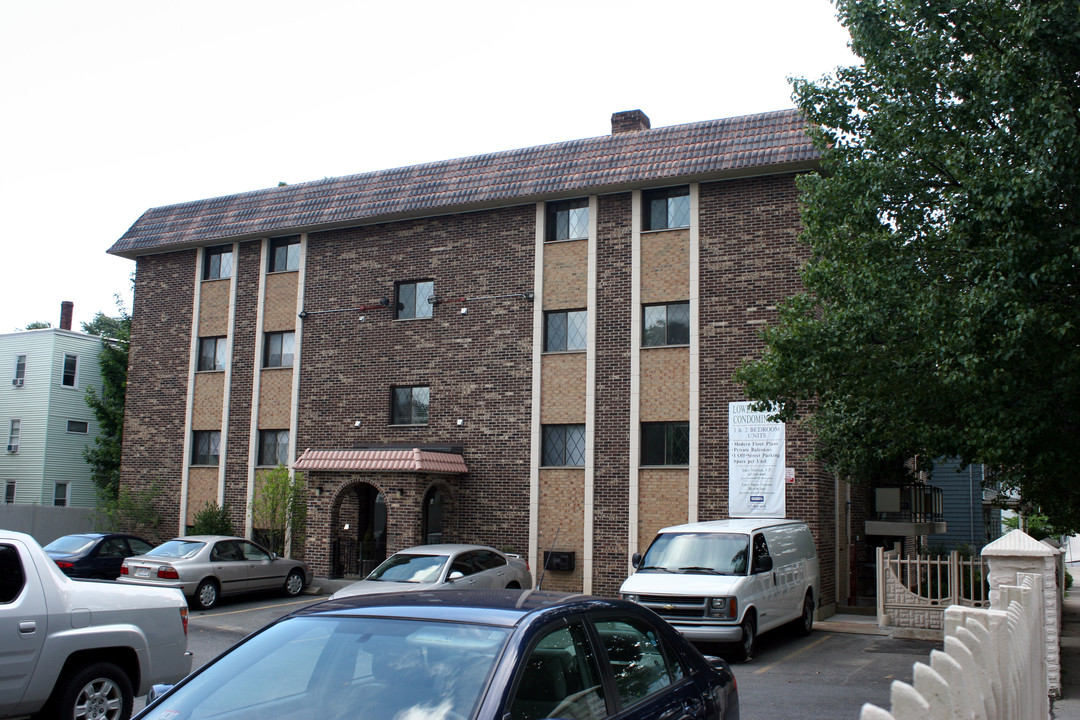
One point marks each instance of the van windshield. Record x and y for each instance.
(697, 554)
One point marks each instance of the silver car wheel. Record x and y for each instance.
(294, 583)
(206, 594)
(100, 699)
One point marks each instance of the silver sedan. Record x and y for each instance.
(426, 567)
(207, 567)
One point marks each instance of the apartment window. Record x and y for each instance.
(9, 492)
(567, 220)
(278, 351)
(14, 433)
(274, 447)
(60, 495)
(415, 299)
(20, 370)
(666, 208)
(78, 426)
(217, 262)
(212, 353)
(284, 254)
(70, 375)
(665, 443)
(206, 447)
(562, 445)
(565, 330)
(409, 405)
(667, 324)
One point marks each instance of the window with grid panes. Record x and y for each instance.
(666, 324)
(274, 447)
(565, 330)
(562, 445)
(285, 254)
(217, 262)
(414, 300)
(665, 443)
(567, 220)
(409, 405)
(666, 208)
(278, 351)
(205, 447)
(211, 353)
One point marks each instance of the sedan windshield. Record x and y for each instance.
(176, 549)
(697, 554)
(404, 567)
(343, 667)
(70, 545)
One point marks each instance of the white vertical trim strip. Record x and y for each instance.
(635, 375)
(693, 489)
(590, 404)
(227, 393)
(256, 390)
(534, 447)
(189, 410)
(294, 414)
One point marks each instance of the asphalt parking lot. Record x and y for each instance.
(826, 676)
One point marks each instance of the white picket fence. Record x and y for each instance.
(997, 663)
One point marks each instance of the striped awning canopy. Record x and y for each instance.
(412, 460)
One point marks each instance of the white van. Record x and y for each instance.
(726, 581)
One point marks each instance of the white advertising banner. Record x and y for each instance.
(756, 486)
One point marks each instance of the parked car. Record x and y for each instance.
(456, 654)
(209, 567)
(727, 581)
(79, 649)
(426, 567)
(95, 555)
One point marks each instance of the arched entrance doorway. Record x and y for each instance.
(359, 537)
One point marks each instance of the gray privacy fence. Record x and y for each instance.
(45, 523)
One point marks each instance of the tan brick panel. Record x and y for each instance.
(202, 489)
(562, 522)
(562, 388)
(214, 308)
(280, 309)
(206, 405)
(665, 266)
(662, 501)
(665, 384)
(275, 398)
(566, 266)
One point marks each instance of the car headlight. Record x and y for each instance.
(723, 608)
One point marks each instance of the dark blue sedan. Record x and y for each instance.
(459, 655)
(95, 555)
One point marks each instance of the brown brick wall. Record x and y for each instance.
(665, 384)
(749, 262)
(665, 266)
(663, 496)
(207, 400)
(275, 398)
(280, 310)
(562, 388)
(562, 522)
(213, 308)
(566, 271)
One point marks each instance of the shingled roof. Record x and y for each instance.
(749, 145)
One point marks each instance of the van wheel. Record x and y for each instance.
(805, 624)
(748, 644)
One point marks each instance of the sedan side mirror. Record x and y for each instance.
(456, 575)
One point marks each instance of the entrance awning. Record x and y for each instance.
(412, 461)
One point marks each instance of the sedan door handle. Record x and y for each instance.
(28, 627)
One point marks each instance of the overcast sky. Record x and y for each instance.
(110, 108)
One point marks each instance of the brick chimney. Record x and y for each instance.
(629, 121)
(66, 308)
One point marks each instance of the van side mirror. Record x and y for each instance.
(763, 564)
(636, 560)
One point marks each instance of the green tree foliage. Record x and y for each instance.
(940, 316)
(213, 519)
(38, 325)
(129, 511)
(108, 404)
(279, 509)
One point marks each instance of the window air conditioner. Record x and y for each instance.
(17, 382)
(13, 448)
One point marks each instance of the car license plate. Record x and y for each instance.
(142, 572)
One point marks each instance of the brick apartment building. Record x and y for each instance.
(530, 349)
